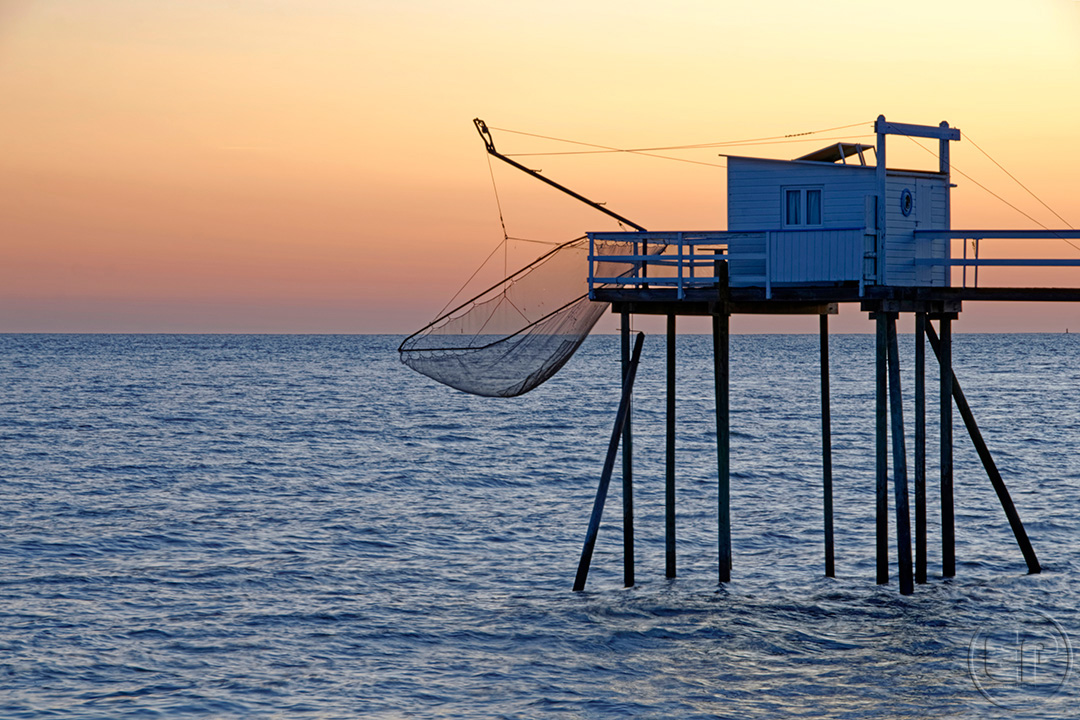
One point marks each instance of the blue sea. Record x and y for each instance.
(235, 526)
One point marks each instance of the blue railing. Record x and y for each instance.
(694, 260)
(755, 259)
(977, 236)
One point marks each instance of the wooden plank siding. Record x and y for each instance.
(813, 254)
(755, 198)
(901, 248)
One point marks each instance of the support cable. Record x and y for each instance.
(696, 146)
(1017, 181)
(643, 151)
(649, 151)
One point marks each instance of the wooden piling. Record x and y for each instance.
(991, 469)
(943, 350)
(826, 447)
(609, 466)
(628, 467)
(669, 486)
(920, 448)
(723, 439)
(882, 443)
(900, 483)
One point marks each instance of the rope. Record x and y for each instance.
(530, 240)
(498, 203)
(442, 313)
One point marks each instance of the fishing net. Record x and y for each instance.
(515, 335)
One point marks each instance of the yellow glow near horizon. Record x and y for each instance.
(311, 166)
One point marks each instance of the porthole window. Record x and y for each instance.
(907, 202)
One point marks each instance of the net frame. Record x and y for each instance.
(508, 364)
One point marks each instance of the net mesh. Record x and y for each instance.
(515, 335)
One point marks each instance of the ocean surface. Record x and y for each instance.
(231, 526)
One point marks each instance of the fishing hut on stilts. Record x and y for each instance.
(803, 236)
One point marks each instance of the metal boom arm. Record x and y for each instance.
(489, 143)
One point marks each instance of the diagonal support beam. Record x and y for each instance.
(609, 467)
(988, 464)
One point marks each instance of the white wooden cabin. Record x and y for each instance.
(815, 220)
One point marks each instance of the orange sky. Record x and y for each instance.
(311, 166)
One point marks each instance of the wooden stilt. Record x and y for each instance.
(900, 480)
(669, 536)
(609, 466)
(826, 448)
(882, 446)
(943, 350)
(628, 467)
(920, 448)
(723, 441)
(991, 469)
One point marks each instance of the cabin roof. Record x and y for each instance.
(840, 167)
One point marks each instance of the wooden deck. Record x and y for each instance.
(818, 300)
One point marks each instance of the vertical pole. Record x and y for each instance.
(628, 467)
(900, 483)
(670, 484)
(882, 446)
(881, 177)
(826, 448)
(945, 169)
(920, 448)
(948, 528)
(723, 439)
(609, 466)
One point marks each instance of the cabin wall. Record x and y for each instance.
(755, 191)
(929, 210)
(756, 204)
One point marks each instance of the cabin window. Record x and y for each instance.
(802, 207)
(794, 201)
(813, 207)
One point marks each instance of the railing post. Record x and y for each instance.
(679, 248)
(768, 265)
(592, 253)
(636, 264)
(644, 263)
(976, 262)
(693, 263)
(964, 282)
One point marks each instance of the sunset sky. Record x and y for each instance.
(311, 165)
